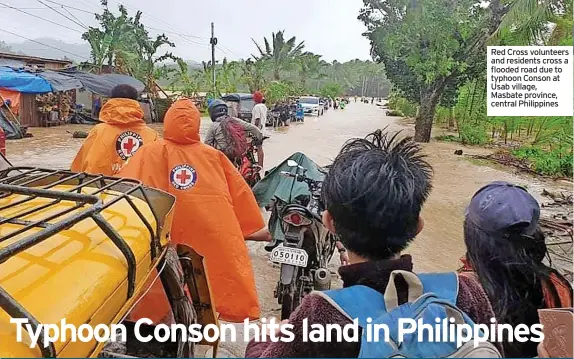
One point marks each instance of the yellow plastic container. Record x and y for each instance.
(78, 273)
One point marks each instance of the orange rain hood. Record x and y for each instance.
(112, 143)
(214, 211)
(181, 123)
(122, 112)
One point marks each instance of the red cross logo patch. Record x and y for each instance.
(183, 177)
(127, 144)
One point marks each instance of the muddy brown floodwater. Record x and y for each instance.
(437, 248)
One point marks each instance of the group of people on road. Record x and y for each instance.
(373, 195)
(215, 211)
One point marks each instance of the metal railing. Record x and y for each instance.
(36, 183)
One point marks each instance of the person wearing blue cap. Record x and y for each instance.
(506, 249)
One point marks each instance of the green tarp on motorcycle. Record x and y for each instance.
(285, 188)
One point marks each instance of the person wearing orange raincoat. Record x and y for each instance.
(123, 132)
(215, 212)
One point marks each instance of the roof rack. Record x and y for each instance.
(32, 183)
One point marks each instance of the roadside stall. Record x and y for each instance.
(47, 98)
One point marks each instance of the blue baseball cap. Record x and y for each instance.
(500, 205)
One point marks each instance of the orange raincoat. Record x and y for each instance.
(110, 144)
(215, 210)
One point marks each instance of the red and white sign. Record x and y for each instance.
(183, 177)
(127, 144)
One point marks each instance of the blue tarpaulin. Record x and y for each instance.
(104, 83)
(23, 81)
(53, 81)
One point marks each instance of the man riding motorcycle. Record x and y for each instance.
(229, 134)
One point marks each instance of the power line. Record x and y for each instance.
(183, 36)
(72, 15)
(74, 21)
(71, 7)
(225, 48)
(40, 43)
(39, 17)
(179, 32)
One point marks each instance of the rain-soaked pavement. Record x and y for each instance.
(437, 248)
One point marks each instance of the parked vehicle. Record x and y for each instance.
(85, 248)
(240, 105)
(273, 118)
(311, 105)
(307, 248)
(281, 114)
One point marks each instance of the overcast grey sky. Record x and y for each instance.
(328, 27)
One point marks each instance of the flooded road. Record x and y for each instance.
(437, 248)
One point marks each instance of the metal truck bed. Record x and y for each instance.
(74, 246)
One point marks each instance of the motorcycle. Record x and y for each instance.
(248, 167)
(307, 248)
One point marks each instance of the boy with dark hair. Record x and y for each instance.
(125, 91)
(373, 195)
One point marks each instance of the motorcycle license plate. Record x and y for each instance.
(285, 255)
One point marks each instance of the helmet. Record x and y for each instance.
(216, 109)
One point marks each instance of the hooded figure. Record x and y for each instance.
(215, 212)
(111, 143)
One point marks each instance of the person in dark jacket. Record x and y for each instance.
(373, 195)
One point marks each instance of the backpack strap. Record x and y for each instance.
(358, 301)
(443, 285)
(362, 302)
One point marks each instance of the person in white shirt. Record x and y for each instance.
(259, 112)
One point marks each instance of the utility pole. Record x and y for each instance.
(213, 42)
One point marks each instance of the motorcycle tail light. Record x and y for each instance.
(296, 219)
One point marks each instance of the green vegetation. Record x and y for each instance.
(332, 90)
(435, 50)
(551, 163)
(439, 76)
(545, 143)
(280, 68)
(292, 73)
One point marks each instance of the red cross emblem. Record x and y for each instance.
(127, 144)
(183, 177)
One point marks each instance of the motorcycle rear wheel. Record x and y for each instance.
(290, 297)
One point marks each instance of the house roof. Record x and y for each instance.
(4, 55)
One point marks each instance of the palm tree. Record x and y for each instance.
(280, 53)
(528, 20)
(310, 67)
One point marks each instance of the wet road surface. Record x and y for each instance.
(436, 249)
